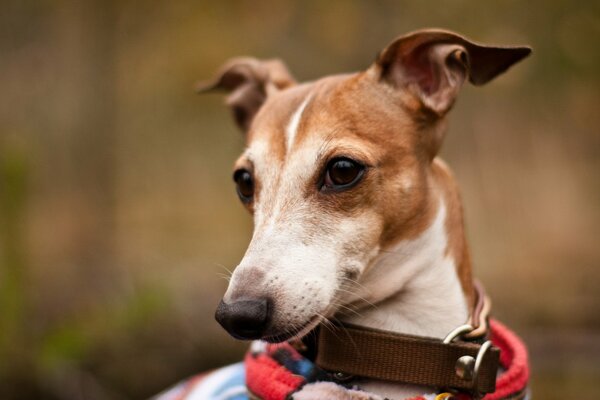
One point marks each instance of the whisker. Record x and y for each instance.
(355, 312)
(330, 326)
(230, 272)
(224, 276)
(354, 282)
(349, 337)
(358, 297)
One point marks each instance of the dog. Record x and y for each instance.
(356, 218)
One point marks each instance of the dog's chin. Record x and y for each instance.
(294, 334)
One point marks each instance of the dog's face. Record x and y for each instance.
(336, 171)
(320, 174)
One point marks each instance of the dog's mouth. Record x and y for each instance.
(305, 329)
(296, 333)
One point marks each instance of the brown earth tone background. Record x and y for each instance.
(118, 215)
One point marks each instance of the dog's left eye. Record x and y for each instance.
(245, 184)
(342, 173)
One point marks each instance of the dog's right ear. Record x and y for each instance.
(249, 82)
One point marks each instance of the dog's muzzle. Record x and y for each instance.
(245, 319)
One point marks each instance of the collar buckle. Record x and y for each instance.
(466, 367)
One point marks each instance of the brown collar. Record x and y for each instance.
(463, 361)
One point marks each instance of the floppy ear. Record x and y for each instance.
(433, 64)
(249, 82)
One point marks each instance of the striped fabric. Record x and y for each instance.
(228, 383)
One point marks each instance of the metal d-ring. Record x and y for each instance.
(457, 332)
(478, 361)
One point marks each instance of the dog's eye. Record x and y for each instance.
(342, 173)
(245, 184)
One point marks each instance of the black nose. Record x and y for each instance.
(244, 319)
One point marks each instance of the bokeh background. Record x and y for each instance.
(118, 217)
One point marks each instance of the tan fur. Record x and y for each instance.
(457, 244)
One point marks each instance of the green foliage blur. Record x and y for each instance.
(118, 218)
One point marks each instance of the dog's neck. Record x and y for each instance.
(419, 286)
(414, 287)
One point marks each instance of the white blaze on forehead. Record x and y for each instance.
(292, 128)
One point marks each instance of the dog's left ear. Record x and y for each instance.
(433, 64)
(249, 81)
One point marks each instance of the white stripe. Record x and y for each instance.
(206, 388)
(292, 128)
(232, 392)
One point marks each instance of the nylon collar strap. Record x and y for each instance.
(358, 351)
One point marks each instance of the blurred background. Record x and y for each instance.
(118, 217)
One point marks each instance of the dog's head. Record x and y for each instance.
(336, 171)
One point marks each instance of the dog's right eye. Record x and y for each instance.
(244, 184)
